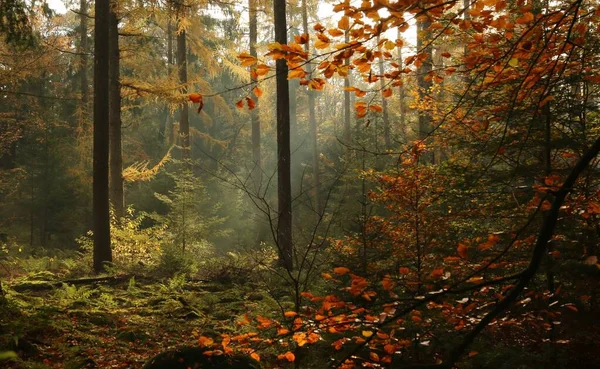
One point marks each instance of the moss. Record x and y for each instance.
(194, 357)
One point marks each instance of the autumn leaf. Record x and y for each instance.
(437, 273)
(344, 23)
(247, 60)
(255, 356)
(387, 92)
(341, 270)
(240, 104)
(290, 314)
(525, 18)
(462, 250)
(251, 103)
(404, 270)
(195, 98)
(257, 92)
(367, 334)
(204, 341)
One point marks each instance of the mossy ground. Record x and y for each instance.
(119, 325)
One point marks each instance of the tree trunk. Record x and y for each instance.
(284, 185)
(102, 251)
(424, 84)
(83, 51)
(347, 136)
(255, 120)
(384, 105)
(401, 93)
(312, 121)
(184, 122)
(116, 155)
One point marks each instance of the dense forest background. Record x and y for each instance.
(305, 183)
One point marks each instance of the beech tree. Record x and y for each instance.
(102, 250)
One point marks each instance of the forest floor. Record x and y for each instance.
(118, 323)
(121, 322)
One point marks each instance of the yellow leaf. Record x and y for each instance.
(296, 73)
(335, 32)
(513, 62)
(319, 44)
(367, 333)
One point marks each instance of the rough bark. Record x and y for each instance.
(117, 198)
(284, 185)
(102, 251)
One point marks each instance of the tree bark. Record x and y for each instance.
(424, 84)
(347, 136)
(255, 120)
(83, 52)
(401, 93)
(312, 121)
(184, 122)
(116, 155)
(284, 185)
(384, 105)
(102, 251)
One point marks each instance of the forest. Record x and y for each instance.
(222, 184)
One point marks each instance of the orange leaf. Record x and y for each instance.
(387, 92)
(341, 270)
(247, 59)
(404, 270)
(240, 104)
(326, 276)
(255, 356)
(195, 98)
(290, 357)
(257, 92)
(251, 103)
(436, 273)
(376, 108)
(204, 341)
(462, 250)
(344, 23)
(282, 331)
(290, 314)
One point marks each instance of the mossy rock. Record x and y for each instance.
(255, 296)
(132, 336)
(194, 357)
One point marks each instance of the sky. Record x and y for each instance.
(57, 5)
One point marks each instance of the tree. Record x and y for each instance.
(116, 153)
(312, 120)
(255, 120)
(101, 215)
(284, 181)
(184, 119)
(84, 50)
